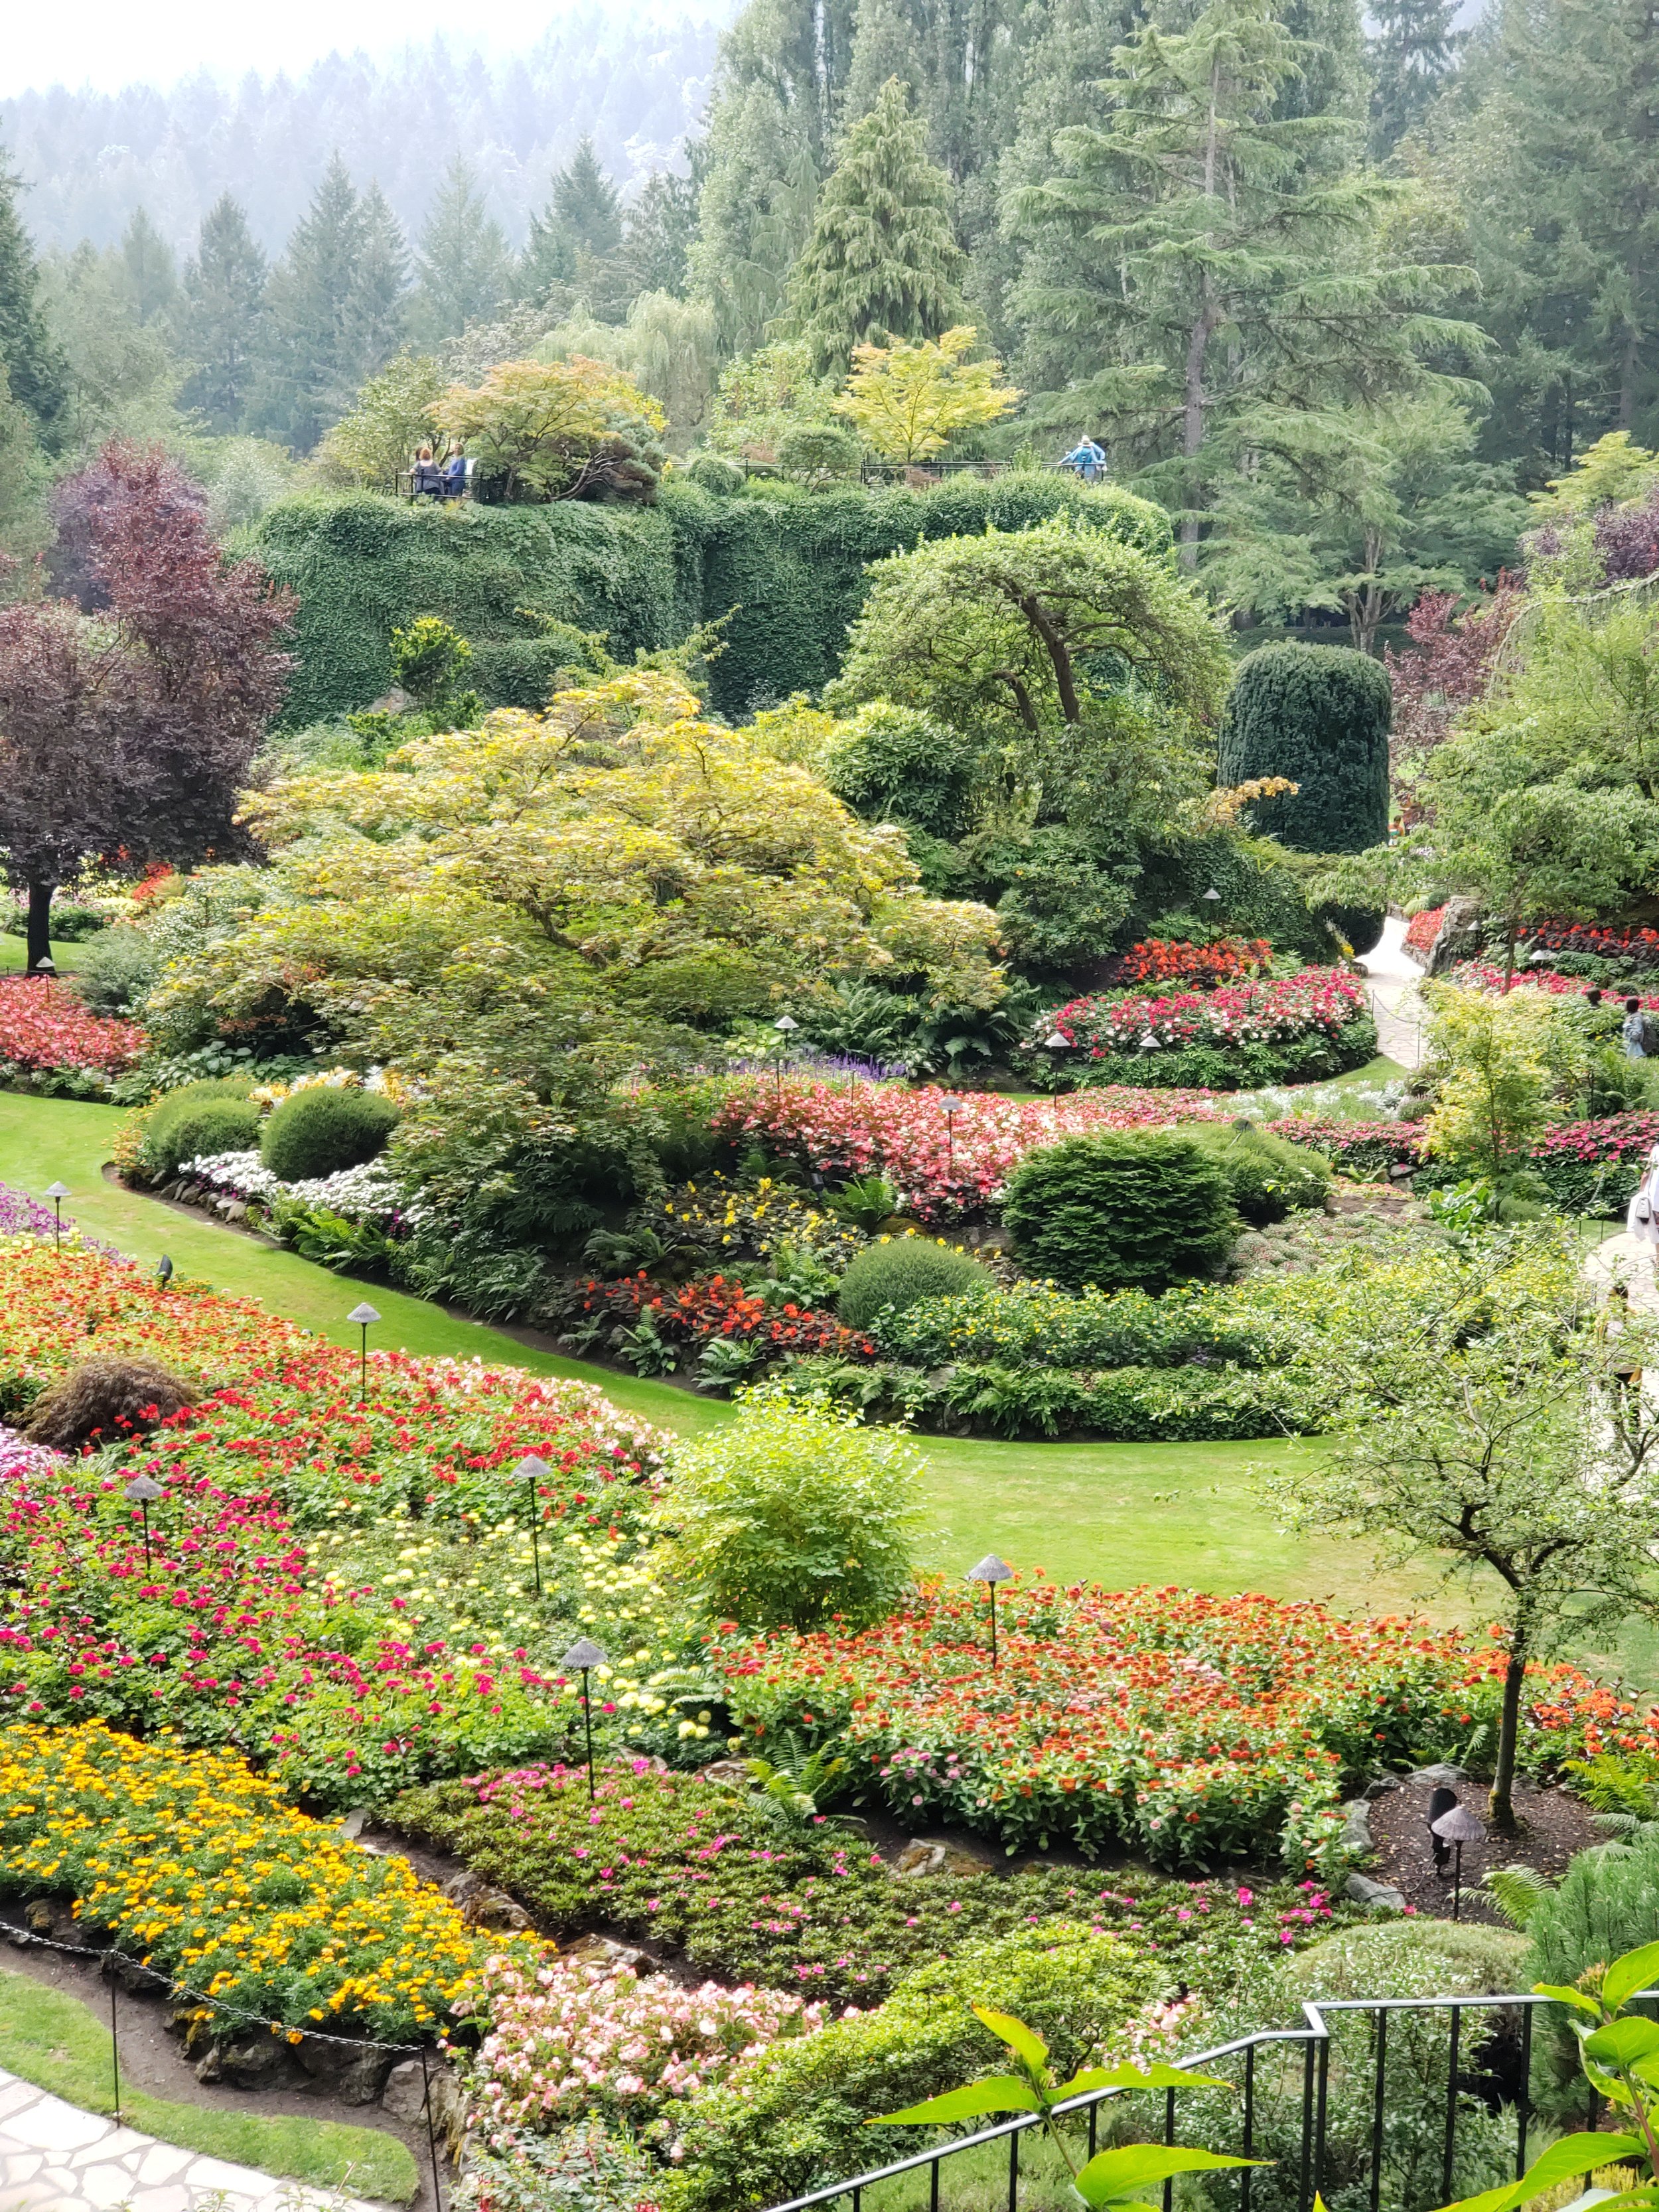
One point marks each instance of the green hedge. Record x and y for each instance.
(784, 566)
(1320, 715)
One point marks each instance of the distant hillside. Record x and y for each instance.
(637, 85)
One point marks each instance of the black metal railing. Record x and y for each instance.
(1507, 2089)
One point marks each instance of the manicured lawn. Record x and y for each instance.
(14, 955)
(52, 2039)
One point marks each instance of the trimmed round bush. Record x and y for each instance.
(900, 1273)
(320, 1131)
(167, 1139)
(1121, 1211)
(217, 1125)
(1319, 714)
(1268, 1176)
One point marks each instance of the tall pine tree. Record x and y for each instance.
(464, 269)
(377, 321)
(572, 249)
(1412, 50)
(149, 275)
(36, 375)
(657, 234)
(882, 261)
(224, 289)
(1203, 262)
(587, 203)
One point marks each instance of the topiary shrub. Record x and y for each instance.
(320, 1131)
(168, 1131)
(792, 1515)
(115, 971)
(1320, 715)
(105, 1400)
(1268, 1176)
(1121, 1211)
(900, 1271)
(217, 1125)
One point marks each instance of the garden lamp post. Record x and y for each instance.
(365, 1317)
(1458, 1827)
(143, 1493)
(786, 1029)
(45, 967)
(1212, 896)
(951, 1108)
(532, 1469)
(585, 1654)
(991, 1570)
(57, 1192)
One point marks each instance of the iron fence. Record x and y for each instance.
(1501, 2086)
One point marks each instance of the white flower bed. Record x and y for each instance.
(369, 1193)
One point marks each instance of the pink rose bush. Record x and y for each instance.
(941, 1165)
(571, 2039)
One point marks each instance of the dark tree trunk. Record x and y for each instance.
(39, 934)
(1501, 1807)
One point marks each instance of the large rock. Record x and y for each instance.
(1458, 936)
(1366, 1892)
(405, 2096)
(354, 2074)
(921, 1857)
(482, 1905)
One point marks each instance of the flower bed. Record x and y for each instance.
(1315, 1023)
(189, 1863)
(1421, 932)
(1621, 949)
(568, 2040)
(23, 1216)
(49, 1040)
(1164, 960)
(1586, 1166)
(1163, 1721)
(707, 1873)
(718, 1307)
(1487, 975)
(941, 1167)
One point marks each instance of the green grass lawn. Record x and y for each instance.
(14, 955)
(52, 2039)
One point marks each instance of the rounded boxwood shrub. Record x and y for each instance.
(1123, 1210)
(1320, 715)
(320, 1131)
(1268, 1176)
(900, 1271)
(159, 1146)
(217, 1125)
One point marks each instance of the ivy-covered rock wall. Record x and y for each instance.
(783, 566)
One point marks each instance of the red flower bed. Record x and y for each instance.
(941, 1166)
(1318, 999)
(1637, 948)
(43, 1025)
(720, 1306)
(1162, 1721)
(1422, 929)
(1167, 960)
(1487, 975)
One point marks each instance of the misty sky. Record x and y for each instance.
(107, 44)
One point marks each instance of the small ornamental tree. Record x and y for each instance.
(908, 400)
(1319, 715)
(559, 429)
(130, 731)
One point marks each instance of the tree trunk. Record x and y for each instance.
(40, 929)
(1501, 1806)
(1509, 959)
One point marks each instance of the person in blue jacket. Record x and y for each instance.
(1086, 457)
(455, 471)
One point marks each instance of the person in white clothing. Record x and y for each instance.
(1642, 1219)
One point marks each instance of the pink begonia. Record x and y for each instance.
(570, 2041)
(1318, 1000)
(43, 1025)
(940, 1165)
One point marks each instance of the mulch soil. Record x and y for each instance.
(1553, 1826)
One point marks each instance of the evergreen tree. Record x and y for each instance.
(35, 368)
(224, 289)
(1412, 50)
(1557, 171)
(587, 203)
(335, 305)
(882, 262)
(1204, 262)
(148, 274)
(464, 270)
(657, 236)
(575, 244)
(547, 267)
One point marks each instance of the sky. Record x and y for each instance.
(107, 44)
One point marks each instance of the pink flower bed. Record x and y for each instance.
(43, 1025)
(1322, 999)
(941, 1166)
(1488, 975)
(1422, 929)
(569, 2041)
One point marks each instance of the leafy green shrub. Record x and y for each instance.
(1120, 1210)
(1607, 1903)
(799, 2113)
(223, 1125)
(1320, 715)
(116, 970)
(1036, 1325)
(320, 1131)
(582, 2168)
(896, 764)
(1269, 1177)
(169, 1129)
(900, 1271)
(793, 1514)
(713, 472)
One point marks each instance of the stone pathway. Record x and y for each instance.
(55, 2158)
(1392, 977)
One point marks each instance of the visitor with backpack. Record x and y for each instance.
(1640, 1036)
(1086, 458)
